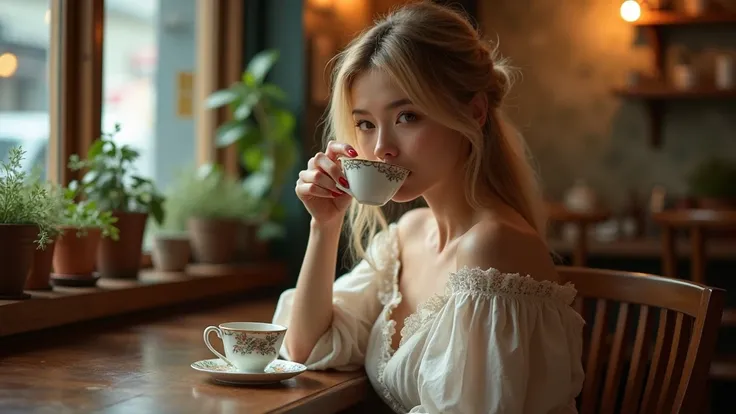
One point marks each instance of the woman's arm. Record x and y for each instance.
(311, 313)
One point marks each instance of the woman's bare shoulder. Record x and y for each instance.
(508, 248)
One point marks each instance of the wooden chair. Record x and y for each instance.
(667, 363)
(697, 223)
(582, 221)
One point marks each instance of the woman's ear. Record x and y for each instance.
(479, 108)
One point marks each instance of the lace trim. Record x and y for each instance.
(477, 281)
(390, 297)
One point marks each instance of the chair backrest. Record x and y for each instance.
(661, 331)
(697, 222)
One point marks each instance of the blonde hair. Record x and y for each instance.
(440, 61)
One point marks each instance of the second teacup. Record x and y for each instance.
(373, 183)
(249, 346)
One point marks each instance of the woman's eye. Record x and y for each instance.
(364, 125)
(407, 117)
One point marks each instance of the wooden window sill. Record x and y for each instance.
(152, 289)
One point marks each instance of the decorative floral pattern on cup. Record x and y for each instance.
(392, 172)
(246, 344)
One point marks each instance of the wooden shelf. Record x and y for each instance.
(655, 96)
(114, 297)
(653, 23)
(670, 18)
(669, 93)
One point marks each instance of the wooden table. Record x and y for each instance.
(143, 366)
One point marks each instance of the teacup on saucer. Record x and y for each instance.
(249, 346)
(276, 371)
(373, 183)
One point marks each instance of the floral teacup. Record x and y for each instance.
(249, 346)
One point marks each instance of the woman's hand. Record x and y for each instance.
(316, 185)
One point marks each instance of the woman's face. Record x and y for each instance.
(391, 129)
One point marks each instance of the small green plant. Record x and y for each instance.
(263, 129)
(110, 180)
(206, 192)
(84, 215)
(714, 178)
(26, 201)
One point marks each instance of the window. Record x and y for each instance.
(24, 81)
(149, 46)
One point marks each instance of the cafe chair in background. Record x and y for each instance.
(701, 225)
(648, 341)
(582, 221)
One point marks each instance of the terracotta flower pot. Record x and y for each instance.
(17, 243)
(171, 253)
(75, 255)
(121, 259)
(39, 275)
(214, 240)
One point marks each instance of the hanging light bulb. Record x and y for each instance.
(630, 10)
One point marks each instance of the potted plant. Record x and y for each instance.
(711, 184)
(83, 226)
(40, 271)
(27, 223)
(263, 129)
(212, 206)
(171, 248)
(111, 182)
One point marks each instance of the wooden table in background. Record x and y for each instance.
(144, 367)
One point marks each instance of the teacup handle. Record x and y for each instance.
(218, 331)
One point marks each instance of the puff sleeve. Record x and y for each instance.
(356, 307)
(501, 344)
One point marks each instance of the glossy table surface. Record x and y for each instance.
(144, 367)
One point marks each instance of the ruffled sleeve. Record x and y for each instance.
(356, 306)
(500, 343)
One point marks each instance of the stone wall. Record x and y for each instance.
(570, 55)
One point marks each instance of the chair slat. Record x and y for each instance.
(678, 352)
(639, 360)
(616, 360)
(595, 353)
(658, 365)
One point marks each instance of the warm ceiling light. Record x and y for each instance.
(8, 65)
(630, 10)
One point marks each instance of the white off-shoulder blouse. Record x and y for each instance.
(492, 343)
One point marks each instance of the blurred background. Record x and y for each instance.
(628, 107)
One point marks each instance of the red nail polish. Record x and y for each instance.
(353, 153)
(343, 182)
(336, 194)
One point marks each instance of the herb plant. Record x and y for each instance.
(26, 201)
(206, 192)
(110, 180)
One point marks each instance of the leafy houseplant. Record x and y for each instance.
(83, 226)
(263, 129)
(111, 183)
(27, 222)
(712, 183)
(213, 207)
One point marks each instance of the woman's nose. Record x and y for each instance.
(385, 148)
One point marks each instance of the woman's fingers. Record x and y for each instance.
(311, 189)
(320, 178)
(329, 167)
(339, 149)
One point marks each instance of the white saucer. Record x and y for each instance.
(276, 371)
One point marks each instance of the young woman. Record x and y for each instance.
(455, 308)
